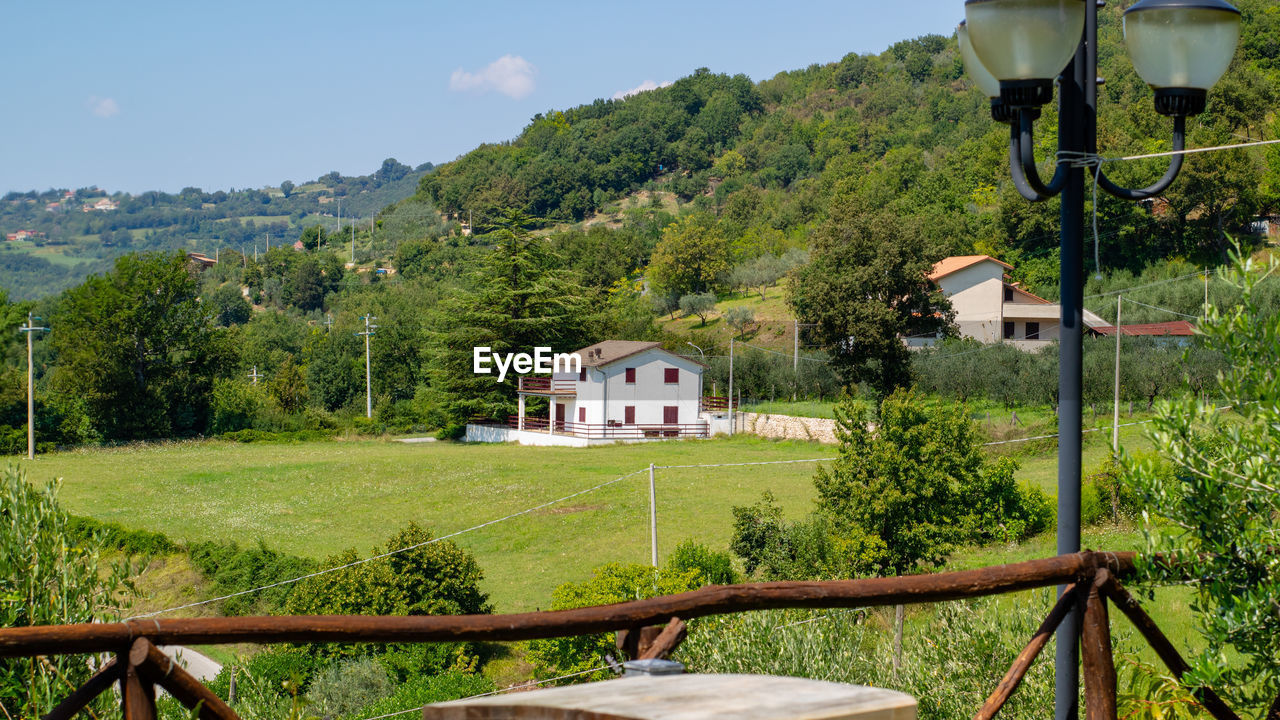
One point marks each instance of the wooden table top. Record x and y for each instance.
(687, 697)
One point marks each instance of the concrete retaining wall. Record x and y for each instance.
(788, 427)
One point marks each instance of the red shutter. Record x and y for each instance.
(631, 375)
(671, 415)
(671, 376)
(582, 375)
(582, 414)
(629, 414)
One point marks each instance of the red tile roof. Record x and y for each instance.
(955, 263)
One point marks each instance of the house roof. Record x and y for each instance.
(1180, 328)
(956, 263)
(611, 351)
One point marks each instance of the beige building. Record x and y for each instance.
(990, 308)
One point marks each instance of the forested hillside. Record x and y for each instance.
(819, 196)
(75, 233)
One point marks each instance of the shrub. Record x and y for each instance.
(118, 537)
(343, 688)
(714, 568)
(232, 569)
(611, 583)
(700, 304)
(815, 548)
(424, 690)
(235, 406)
(47, 577)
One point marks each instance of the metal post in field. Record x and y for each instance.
(732, 418)
(898, 613)
(653, 520)
(368, 377)
(1115, 412)
(30, 328)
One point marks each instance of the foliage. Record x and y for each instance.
(228, 305)
(47, 577)
(232, 569)
(817, 547)
(84, 531)
(739, 318)
(918, 482)
(411, 575)
(951, 658)
(345, 687)
(288, 387)
(236, 405)
(138, 348)
(609, 583)
(691, 257)
(865, 288)
(425, 690)
(715, 568)
(1107, 497)
(700, 304)
(759, 274)
(1219, 510)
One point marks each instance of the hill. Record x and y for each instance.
(78, 232)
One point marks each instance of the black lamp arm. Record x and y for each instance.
(1175, 165)
(1022, 162)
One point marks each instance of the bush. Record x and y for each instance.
(118, 537)
(815, 548)
(232, 569)
(235, 406)
(1107, 497)
(266, 676)
(346, 687)
(611, 583)
(714, 568)
(425, 690)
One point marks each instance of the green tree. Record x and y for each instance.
(47, 578)
(288, 387)
(228, 305)
(739, 318)
(1216, 515)
(138, 348)
(865, 289)
(691, 257)
(759, 274)
(700, 304)
(519, 299)
(286, 188)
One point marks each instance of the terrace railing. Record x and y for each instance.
(1091, 579)
(716, 403)
(547, 386)
(611, 431)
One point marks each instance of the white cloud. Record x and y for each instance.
(642, 87)
(510, 75)
(103, 107)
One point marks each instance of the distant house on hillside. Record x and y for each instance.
(624, 391)
(991, 308)
(200, 261)
(102, 205)
(23, 235)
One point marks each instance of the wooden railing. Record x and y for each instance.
(1091, 579)
(617, 431)
(715, 403)
(547, 386)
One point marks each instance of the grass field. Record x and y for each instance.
(316, 499)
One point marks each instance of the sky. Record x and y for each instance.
(144, 96)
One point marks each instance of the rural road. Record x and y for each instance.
(200, 666)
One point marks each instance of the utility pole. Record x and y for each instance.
(1115, 413)
(653, 520)
(29, 328)
(368, 382)
(328, 322)
(732, 419)
(1205, 309)
(353, 242)
(254, 375)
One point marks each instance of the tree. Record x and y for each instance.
(690, 257)
(919, 483)
(139, 349)
(865, 289)
(47, 577)
(739, 318)
(519, 299)
(759, 274)
(1219, 504)
(228, 306)
(700, 304)
(288, 387)
(286, 188)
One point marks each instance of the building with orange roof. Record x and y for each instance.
(991, 308)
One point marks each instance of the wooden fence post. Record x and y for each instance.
(1099, 664)
(137, 695)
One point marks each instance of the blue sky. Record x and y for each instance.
(142, 96)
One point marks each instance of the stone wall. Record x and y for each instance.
(787, 427)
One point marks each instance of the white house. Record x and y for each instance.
(625, 391)
(990, 308)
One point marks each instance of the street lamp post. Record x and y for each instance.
(1014, 50)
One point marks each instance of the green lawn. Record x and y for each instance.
(316, 499)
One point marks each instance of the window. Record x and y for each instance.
(671, 414)
(582, 414)
(1033, 331)
(1008, 294)
(671, 376)
(582, 375)
(631, 376)
(1008, 330)
(629, 414)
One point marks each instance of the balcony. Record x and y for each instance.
(547, 386)
(611, 431)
